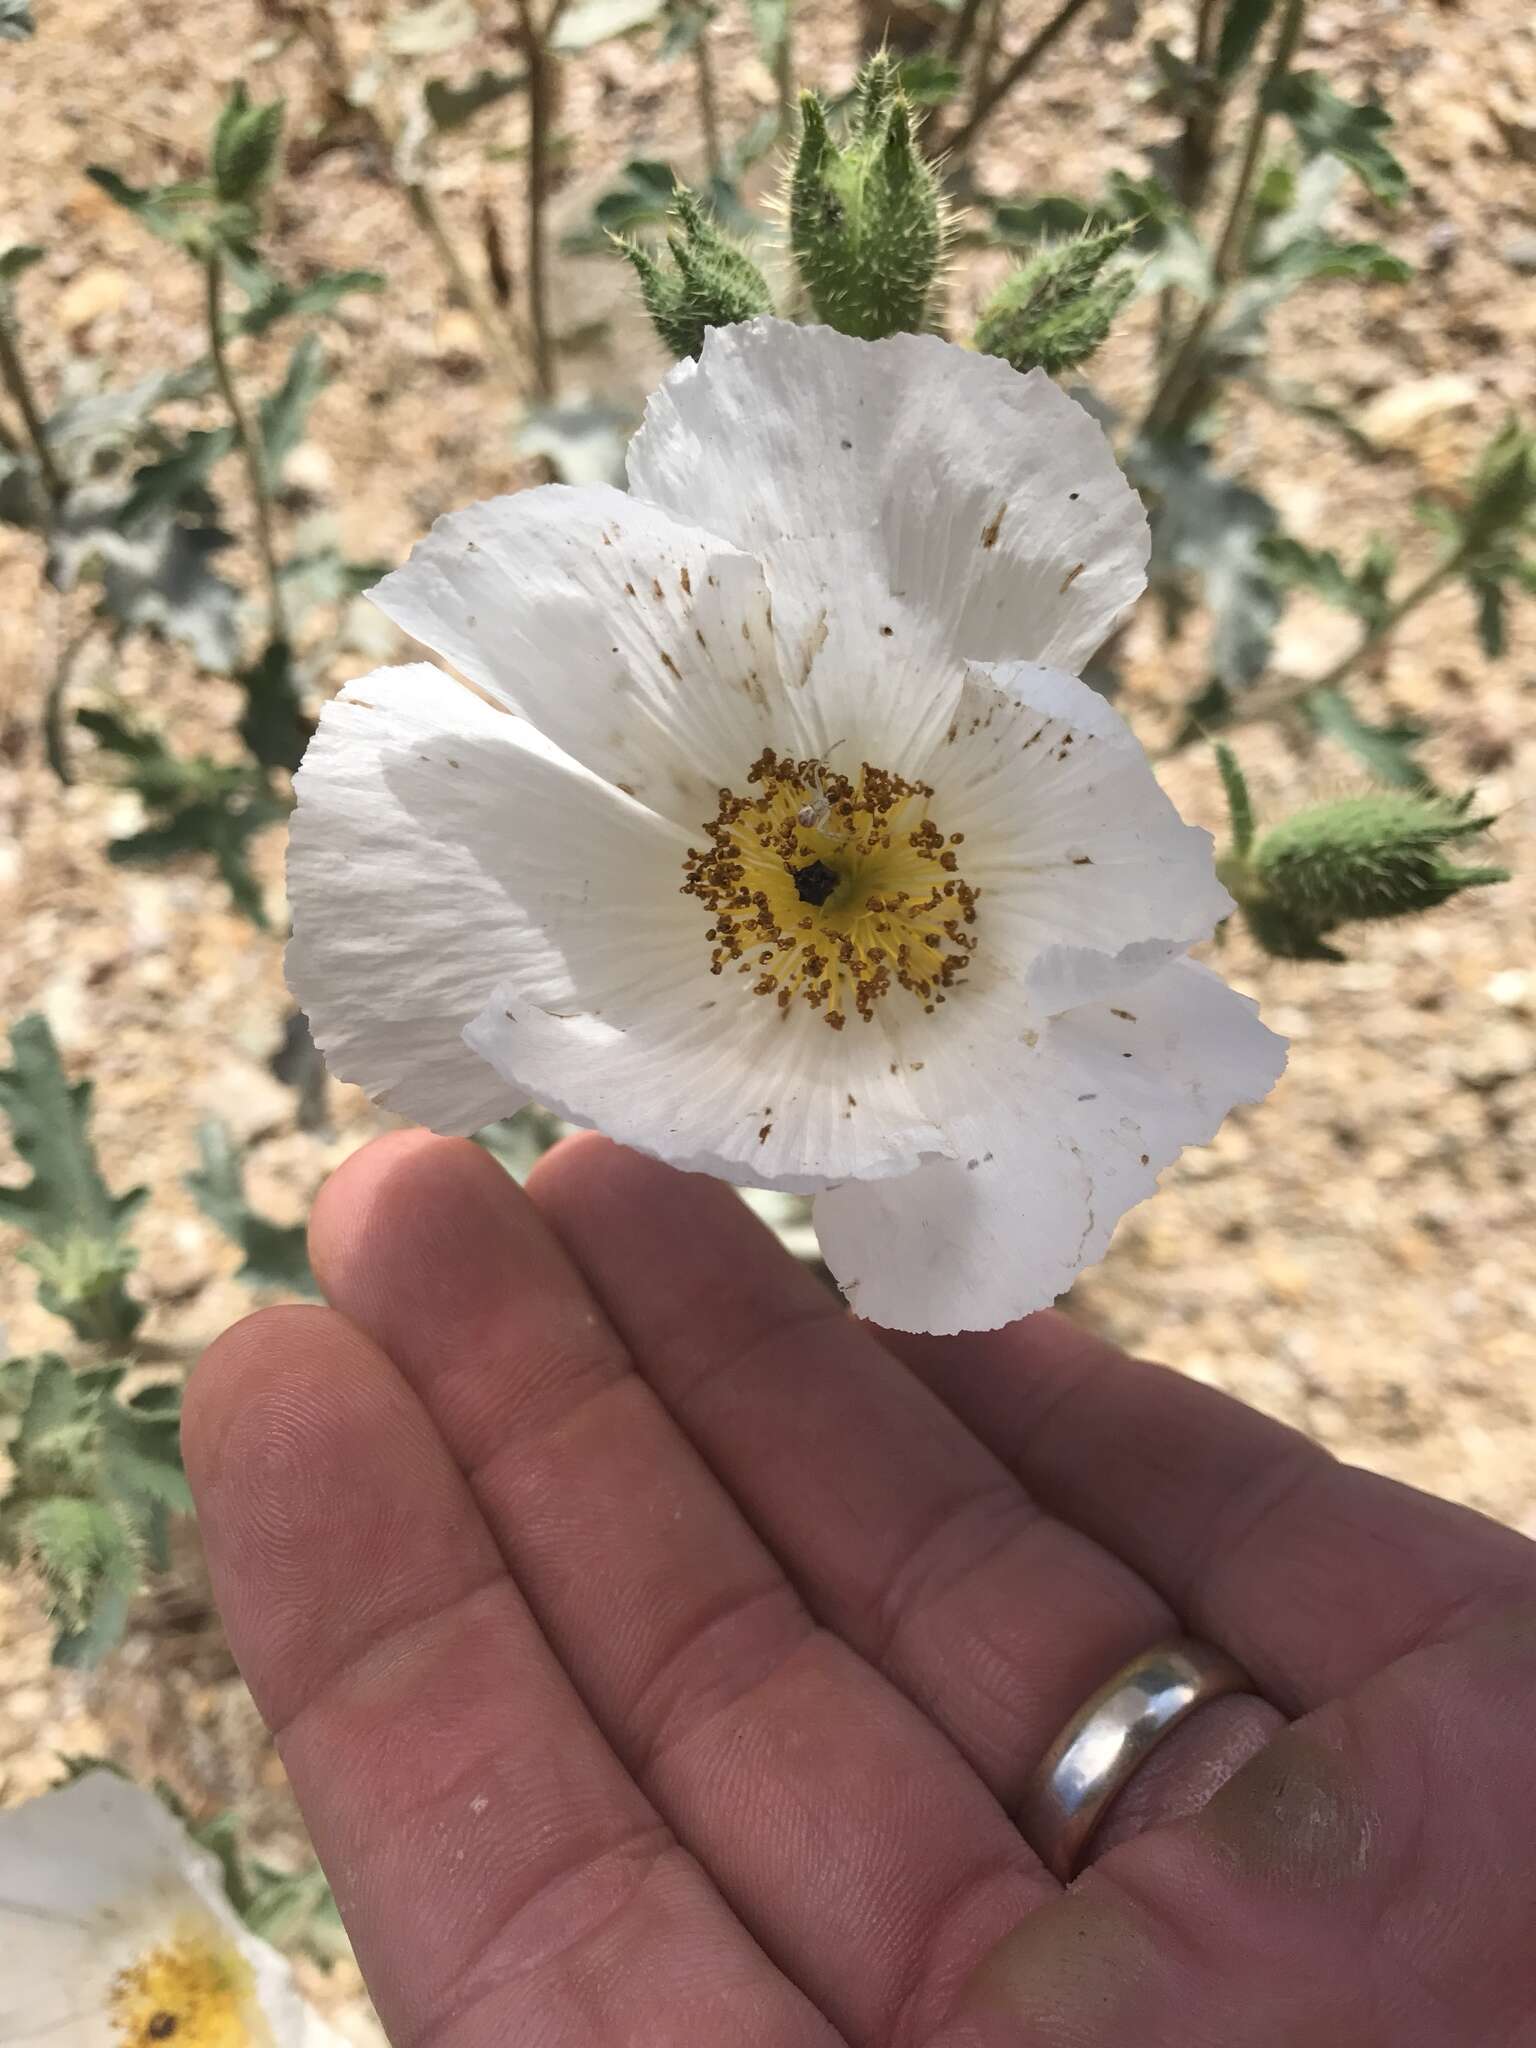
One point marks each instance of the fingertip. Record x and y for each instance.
(382, 1192)
(580, 1161)
(587, 1174)
(236, 1371)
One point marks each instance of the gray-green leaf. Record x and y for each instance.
(1327, 125)
(76, 1222)
(274, 1253)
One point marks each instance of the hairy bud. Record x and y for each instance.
(866, 221)
(712, 282)
(1057, 307)
(1503, 493)
(243, 155)
(1353, 859)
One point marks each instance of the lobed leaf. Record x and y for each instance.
(66, 1207)
(1387, 751)
(19, 256)
(176, 480)
(199, 806)
(1216, 529)
(272, 300)
(454, 106)
(1327, 125)
(283, 416)
(274, 1254)
(274, 725)
(1241, 26)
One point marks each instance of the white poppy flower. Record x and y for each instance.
(115, 1932)
(780, 840)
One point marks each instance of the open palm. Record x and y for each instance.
(658, 1654)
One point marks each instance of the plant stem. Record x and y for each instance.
(247, 441)
(540, 81)
(1392, 618)
(464, 284)
(990, 94)
(500, 346)
(784, 69)
(963, 30)
(1178, 395)
(1234, 236)
(709, 113)
(13, 372)
(1260, 704)
(1195, 151)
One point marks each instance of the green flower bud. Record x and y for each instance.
(1056, 309)
(712, 283)
(1503, 494)
(245, 145)
(866, 220)
(1356, 858)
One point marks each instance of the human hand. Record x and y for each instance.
(658, 1654)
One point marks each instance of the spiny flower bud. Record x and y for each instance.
(713, 283)
(1503, 493)
(1056, 309)
(1361, 857)
(866, 221)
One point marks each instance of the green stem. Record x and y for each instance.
(963, 30)
(466, 288)
(1292, 689)
(540, 79)
(13, 372)
(1392, 618)
(784, 70)
(1195, 156)
(499, 344)
(709, 113)
(991, 93)
(1177, 396)
(1239, 803)
(247, 440)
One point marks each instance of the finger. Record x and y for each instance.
(848, 1834)
(902, 1530)
(1311, 1573)
(501, 1876)
(1365, 1879)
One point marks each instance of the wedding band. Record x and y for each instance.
(1111, 1736)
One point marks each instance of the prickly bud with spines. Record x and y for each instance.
(1503, 491)
(712, 282)
(866, 220)
(1353, 859)
(1056, 309)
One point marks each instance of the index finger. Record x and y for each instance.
(501, 1875)
(1313, 1574)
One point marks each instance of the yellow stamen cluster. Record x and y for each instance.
(833, 891)
(194, 1991)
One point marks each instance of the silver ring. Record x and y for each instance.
(1111, 1736)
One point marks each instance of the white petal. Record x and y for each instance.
(906, 471)
(698, 1071)
(434, 840)
(1068, 834)
(640, 645)
(1054, 1150)
(98, 1881)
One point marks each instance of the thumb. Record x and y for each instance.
(1365, 1881)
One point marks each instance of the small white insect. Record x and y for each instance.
(814, 815)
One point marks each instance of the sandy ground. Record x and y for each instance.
(1356, 1255)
